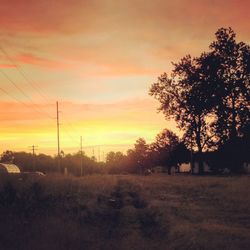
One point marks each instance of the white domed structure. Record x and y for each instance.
(6, 168)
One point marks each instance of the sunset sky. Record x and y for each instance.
(97, 58)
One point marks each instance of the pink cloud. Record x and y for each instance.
(7, 66)
(14, 111)
(28, 58)
(116, 37)
(44, 16)
(147, 19)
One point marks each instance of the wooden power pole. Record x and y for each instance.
(33, 148)
(81, 157)
(58, 138)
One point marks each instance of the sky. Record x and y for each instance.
(98, 59)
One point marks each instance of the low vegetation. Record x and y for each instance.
(125, 212)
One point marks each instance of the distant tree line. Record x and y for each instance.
(49, 164)
(167, 151)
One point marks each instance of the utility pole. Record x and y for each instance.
(58, 138)
(81, 157)
(99, 159)
(33, 148)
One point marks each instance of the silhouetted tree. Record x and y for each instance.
(141, 154)
(179, 155)
(208, 96)
(227, 76)
(182, 98)
(115, 162)
(73, 164)
(162, 148)
(7, 157)
(231, 86)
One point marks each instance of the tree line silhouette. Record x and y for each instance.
(167, 150)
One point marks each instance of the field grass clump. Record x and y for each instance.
(151, 223)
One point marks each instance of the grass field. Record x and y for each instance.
(125, 212)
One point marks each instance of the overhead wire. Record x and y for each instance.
(25, 95)
(18, 67)
(32, 84)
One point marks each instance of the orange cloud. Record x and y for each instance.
(28, 58)
(14, 111)
(7, 66)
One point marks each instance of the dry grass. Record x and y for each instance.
(125, 212)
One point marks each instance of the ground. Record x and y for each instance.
(125, 212)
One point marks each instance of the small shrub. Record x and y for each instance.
(150, 221)
(8, 194)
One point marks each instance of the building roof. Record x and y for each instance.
(9, 168)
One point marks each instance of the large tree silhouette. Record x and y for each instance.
(231, 84)
(208, 96)
(182, 98)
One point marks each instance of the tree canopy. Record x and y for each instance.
(208, 96)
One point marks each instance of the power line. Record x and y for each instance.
(12, 97)
(14, 84)
(81, 156)
(24, 94)
(99, 159)
(19, 101)
(23, 74)
(21, 71)
(31, 83)
(58, 137)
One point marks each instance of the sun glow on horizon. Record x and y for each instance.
(109, 126)
(98, 59)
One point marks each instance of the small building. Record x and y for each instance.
(186, 167)
(9, 168)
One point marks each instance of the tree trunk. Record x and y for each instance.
(233, 131)
(198, 142)
(178, 168)
(200, 162)
(169, 170)
(192, 161)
